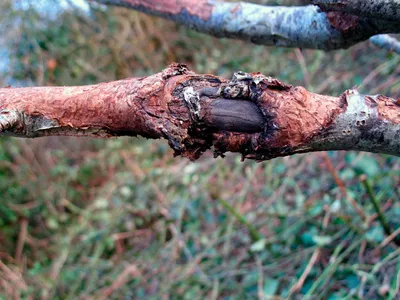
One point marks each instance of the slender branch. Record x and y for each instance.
(375, 204)
(378, 9)
(304, 26)
(381, 217)
(253, 232)
(252, 114)
(387, 42)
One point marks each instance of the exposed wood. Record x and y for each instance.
(252, 114)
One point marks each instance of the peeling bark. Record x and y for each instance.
(252, 114)
(304, 26)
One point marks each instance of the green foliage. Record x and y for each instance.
(122, 218)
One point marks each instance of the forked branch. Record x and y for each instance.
(252, 114)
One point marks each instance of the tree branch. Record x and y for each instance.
(257, 116)
(387, 42)
(304, 26)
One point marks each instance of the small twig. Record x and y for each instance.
(130, 271)
(385, 260)
(303, 65)
(362, 251)
(384, 208)
(59, 262)
(14, 278)
(381, 217)
(254, 234)
(396, 284)
(299, 284)
(21, 240)
(334, 174)
(335, 261)
(389, 238)
(387, 42)
(260, 283)
(342, 187)
(181, 244)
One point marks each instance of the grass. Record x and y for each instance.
(121, 218)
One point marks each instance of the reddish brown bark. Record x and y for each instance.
(387, 108)
(343, 22)
(257, 116)
(131, 106)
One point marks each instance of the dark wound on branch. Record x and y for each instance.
(234, 115)
(225, 106)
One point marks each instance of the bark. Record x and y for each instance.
(252, 114)
(382, 9)
(303, 26)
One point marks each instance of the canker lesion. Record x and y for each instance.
(234, 116)
(225, 107)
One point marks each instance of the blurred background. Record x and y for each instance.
(121, 218)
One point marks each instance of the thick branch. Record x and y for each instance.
(257, 116)
(305, 27)
(378, 9)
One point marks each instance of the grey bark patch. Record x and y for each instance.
(192, 100)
